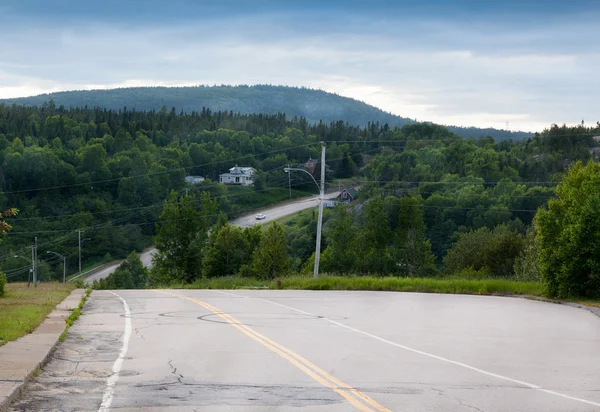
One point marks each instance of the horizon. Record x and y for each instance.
(514, 65)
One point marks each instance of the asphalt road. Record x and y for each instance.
(274, 213)
(271, 213)
(145, 257)
(199, 350)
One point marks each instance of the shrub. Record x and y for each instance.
(2, 284)
(495, 251)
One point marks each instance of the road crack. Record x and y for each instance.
(463, 403)
(179, 376)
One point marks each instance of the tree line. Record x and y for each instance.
(424, 191)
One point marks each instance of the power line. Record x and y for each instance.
(158, 173)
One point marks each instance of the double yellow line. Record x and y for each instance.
(355, 397)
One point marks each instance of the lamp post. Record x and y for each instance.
(32, 270)
(64, 258)
(321, 198)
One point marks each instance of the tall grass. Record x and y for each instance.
(395, 284)
(425, 285)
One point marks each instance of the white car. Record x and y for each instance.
(260, 216)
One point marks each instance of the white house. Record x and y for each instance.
(243, 176)
(194, 179)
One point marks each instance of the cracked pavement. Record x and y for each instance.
(183, 356)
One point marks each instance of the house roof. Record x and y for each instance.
(352, 192)
(236, 170)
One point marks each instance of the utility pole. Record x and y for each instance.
(290, 181)
(79, 231)
(320, 221)
(35, 263)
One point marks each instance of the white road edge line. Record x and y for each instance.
(430, 355)
(109, 393)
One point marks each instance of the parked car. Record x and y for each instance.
(260, 216)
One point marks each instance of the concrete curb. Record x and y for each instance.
(22, 358)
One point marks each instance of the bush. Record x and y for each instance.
(2, 283)
(526, 265)
(494, 251)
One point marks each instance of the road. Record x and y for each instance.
(145, 257)
(271, 213)
(198, 350)
(277, 212)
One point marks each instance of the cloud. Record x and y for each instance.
(478, 74)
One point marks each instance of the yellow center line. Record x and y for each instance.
(301, 363)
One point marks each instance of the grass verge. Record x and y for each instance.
(74, 315)
(394, 284)
(22, 309)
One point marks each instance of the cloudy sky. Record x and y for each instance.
(522, 63)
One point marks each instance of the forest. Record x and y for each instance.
(313, 105)
(426, 194)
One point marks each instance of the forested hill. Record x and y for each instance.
(314, 105)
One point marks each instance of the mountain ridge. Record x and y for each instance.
(312, 104)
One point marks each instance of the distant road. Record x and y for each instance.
(271, 213)
(277, 212)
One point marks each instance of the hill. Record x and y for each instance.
(314, 105)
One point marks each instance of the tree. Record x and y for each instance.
(271, 258)
(226, 252)
(568, 235)
(340, 255)
(182, 235)
(412, 252)
(374, 256)
(494, 251)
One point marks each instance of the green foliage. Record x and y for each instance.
(340, 255)
(229, 249)
(526, 264)
(2, 284)
(182, 235)
(314, 105)
(131, 274)
(484, 249)
(568, 235)
(411, 251)
(271, 259)
(423, 285)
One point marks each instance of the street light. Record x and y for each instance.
(30, 270)
(64, 258)
(321, 198)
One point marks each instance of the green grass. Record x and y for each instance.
(455, 286)
(228, 282)
(22, 309)
(291, 220)
(74, 315)
(431, 285)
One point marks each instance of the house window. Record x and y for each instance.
(237, 180)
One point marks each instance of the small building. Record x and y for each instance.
(243, 176)
(348, 195)
(310, 166)
(194, 179)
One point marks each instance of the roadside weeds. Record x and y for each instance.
(74, 315)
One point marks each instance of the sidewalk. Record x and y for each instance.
(20, 359)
